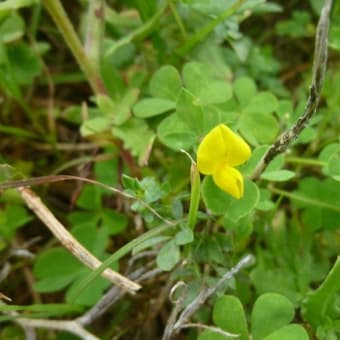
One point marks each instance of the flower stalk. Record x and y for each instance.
(194, 196)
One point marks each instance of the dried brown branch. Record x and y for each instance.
(319, 70)
(70, 243)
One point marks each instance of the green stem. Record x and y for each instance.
(178, 19)
(116, 256)
(305, 161)
(62, 21)
(305, 199)
(201, 34)
(194, 197)
(140, 32)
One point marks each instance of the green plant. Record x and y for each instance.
(111, 104)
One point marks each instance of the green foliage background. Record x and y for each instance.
(129, 111)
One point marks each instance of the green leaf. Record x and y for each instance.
(10, 5)
(228, 314)
(196, 76)
(334, 39)
(190, 111)
(334, 165)
(210, 335)
(245, 89)
(216, 200)
(271, 311)
(320, 201)
(166, 83)
(203, 86)
(168, 256)
(152, 189)
(90, 198)
(265, 203)
(54, 284)
(318, 305)
(105, 104)
(215, 92)
(184, 236)
(113, 222)
(278, 176)
(150, 243)
(289, 332)
(25, 64)
(150, 107)
(276, 164)
(244, 206)
(221, 203)
(91, 294)
(175, 134)
(12, 218)
(137, 137)
(124, 106)
(258, 128)
(107, 171)
(95, 126)
(55, 269)
(256, 155)
(16, 132)
(12, 28)
(264, 103)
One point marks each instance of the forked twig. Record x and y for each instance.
(319, 70)
(173, 326)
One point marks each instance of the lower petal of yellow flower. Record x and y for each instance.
(229, 180)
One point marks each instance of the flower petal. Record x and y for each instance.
(237, 151)
(229, 180)
(211, 151)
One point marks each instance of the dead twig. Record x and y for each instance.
(173, 326)
(318, 74)
(70, 243)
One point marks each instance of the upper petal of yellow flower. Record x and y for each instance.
(237, 151)
(221, 144)
(229, 179)
(211, 151)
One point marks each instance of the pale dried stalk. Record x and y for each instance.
(70, 243)
(62, 325)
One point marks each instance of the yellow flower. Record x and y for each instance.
(218, 154)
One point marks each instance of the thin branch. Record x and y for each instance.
(319, 70)
(173, 328)
(70, 243)
(57, 178)
(170, 326)
(113, 295)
